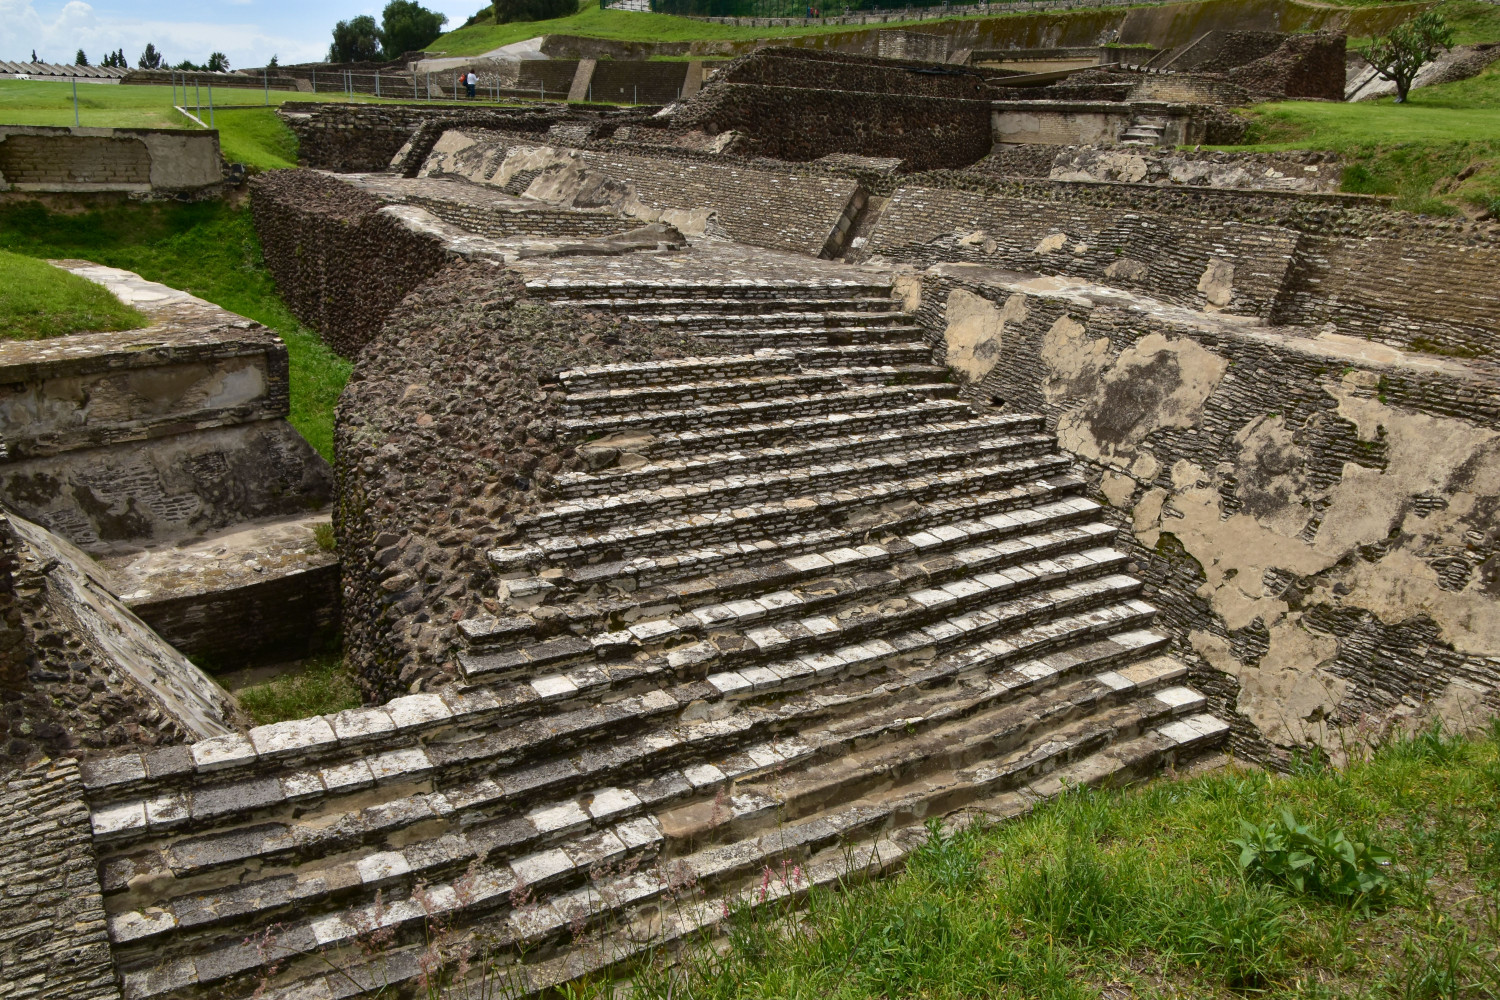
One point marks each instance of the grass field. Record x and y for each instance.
(1141, 894)
(44, 301)
(317, 686)
(253, 136)
(209, 249)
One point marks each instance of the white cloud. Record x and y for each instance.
(77, 25)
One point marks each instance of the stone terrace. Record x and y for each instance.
(804, 597)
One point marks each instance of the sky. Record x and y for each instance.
(249, 32)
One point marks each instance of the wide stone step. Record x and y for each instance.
(1136, 736)
(755, 521)
(933, 549)
(780, 338)
(710, 465)
(867, 419)
(681, 395)
(712, 495)
(678, 370)
(566, 289)
(787, 319)
(644, 308)
(864, 355)
(698, 417)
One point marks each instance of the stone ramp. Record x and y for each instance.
(804, 598)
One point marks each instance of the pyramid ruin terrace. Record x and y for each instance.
(718, 494)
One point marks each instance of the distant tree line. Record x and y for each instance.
(405, 26)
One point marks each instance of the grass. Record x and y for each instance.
(316, 686)
(1139, 894)
(1438, 154)
(253, 136)
(209, 249)
(41, 301)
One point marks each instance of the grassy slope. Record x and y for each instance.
(1137, 894)
(253, 136)
(40, 300)
(1415, 151)
(591, 22)
(208, 249)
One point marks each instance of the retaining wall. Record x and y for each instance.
(136, 161)
(1314, 515)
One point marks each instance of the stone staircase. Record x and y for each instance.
(1144, 130)
(804, 598)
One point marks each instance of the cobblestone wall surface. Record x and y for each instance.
(179, 163)
(813, 70)
(449, 427)
(365, 137)
(53, 938)
(1293, 258)
(324, 242)
(1316, 520)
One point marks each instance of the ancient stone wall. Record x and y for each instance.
(1303, 67)
(1315, 518)
(173, 162)
(449, 428)
(53, 936)
(149, 436)
(324, 242)
(812, 70)
(791, 123)
(762, 204)
(1294, 258)
(638, 82)
(94, 675)
(364, 137)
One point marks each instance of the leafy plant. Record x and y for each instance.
(1300, 858)
(1411, 45)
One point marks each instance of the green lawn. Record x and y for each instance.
(1140, 894)
(40, 300)
(253, 136)
(1439, 153)
(209, 249)
(317, 686)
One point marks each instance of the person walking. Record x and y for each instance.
(471, 80)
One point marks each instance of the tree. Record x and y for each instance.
(1411, 45)
(115, 60)
(273, 64)
(356, 40)
(218, 62)
(80, 59)
(33, 56)
(150, 58)
(407, 26)
(507, 11)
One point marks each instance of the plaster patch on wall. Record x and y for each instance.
(1128, 269)
(907, 286)
(975, 327)
(1052, 243)
(1154, 384)
(1290, 694)
(1072, 358)
(1217, 282)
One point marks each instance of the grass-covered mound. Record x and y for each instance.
(38, 300)
(209, 249)
(1193, 887)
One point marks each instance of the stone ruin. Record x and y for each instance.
(702, 513)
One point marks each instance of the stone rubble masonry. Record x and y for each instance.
(761, 203)
(325, 241)
(1313, 513)
(92, 675)
(449, 428)
(54, 939)
(138, 161)
(139, 436)
(798, 105)
(1294, 259)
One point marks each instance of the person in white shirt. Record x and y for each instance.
(471, 80)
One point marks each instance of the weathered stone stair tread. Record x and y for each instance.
(705, 464)
(852, 421)
(923, 716)
(797, 337)
(764, 517)
(563, 289)
(382, 870)
(735, 306)
(576, 513)
(722, 867)
(778, 408)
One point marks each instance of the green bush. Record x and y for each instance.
(1307, 861)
